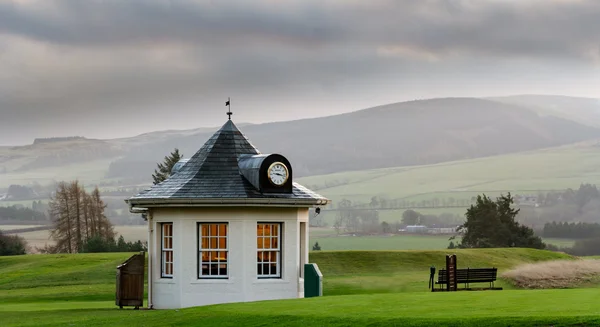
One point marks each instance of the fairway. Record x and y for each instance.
(397, 242)
(375, 288)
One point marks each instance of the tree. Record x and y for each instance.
(164, 168)
(76, 218)
(12, 245)
(492, 224)
(385, 227)
(411, 217)
(316, 247)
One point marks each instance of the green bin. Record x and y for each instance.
(313, 280)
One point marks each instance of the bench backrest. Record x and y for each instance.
(470, 274)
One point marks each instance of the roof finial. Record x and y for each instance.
(228, 104)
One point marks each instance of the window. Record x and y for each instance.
(212, 250)
(268, 238)
(167, 250)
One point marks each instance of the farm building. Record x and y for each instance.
(228, 225)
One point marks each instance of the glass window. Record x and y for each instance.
(268, 245)
(213, 251)
(167, 250)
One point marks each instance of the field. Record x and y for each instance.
(370, 288)
(326, 237)
(527, 172)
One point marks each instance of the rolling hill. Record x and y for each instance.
(585, 111)
(527, 172)
(401, 134)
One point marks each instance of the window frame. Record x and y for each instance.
(164, 250)
(199, 250)
(278, 251)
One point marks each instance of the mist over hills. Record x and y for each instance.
(399, 134)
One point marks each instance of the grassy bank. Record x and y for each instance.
(375, 288)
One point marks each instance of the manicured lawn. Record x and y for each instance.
(332, 242)
(489, 308)
(401, 242)
(362, 288)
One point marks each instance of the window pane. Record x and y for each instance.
(205, 256)
(274, 231)
(274, 243)
(213, 243)
(222, 243)
(204, 230)
(204, 243)
(213, 230)
(222, 230)
(223, 255)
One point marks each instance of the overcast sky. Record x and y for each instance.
(115, 68)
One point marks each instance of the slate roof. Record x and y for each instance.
(212, 176)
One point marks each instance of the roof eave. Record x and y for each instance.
(137, 204)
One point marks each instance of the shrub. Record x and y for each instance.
(12, 245)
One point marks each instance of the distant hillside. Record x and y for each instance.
(585, 111)
(55, 152)
(400, 134)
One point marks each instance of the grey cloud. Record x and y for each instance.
(539, 28)
(86, 58)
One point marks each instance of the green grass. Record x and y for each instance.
(368, 272)
(78, 290)
(331, 242)
(402, 242)
(528, 172)
(516, 308)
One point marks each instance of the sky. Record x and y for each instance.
(114, 68)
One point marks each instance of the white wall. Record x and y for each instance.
(186, 290)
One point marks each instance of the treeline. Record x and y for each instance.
(98, 244)
(579, 205)
(580, 248)
(17, 213)
(76, 218)
(571, 230)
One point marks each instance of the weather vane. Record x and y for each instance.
(228, 104)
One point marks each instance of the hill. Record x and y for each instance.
(527, 172)
(55, 290)
(585, 111)
(399, 134)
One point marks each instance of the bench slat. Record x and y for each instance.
(470, 275)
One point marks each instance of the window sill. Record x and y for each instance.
(213, 281)
(165, 281)
(270, 281)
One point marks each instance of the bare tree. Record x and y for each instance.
(76, 217)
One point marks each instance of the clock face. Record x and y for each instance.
(278, 173)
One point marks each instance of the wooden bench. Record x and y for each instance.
(470, 275)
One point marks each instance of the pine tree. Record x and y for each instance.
(492, 224)
(164, 168)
